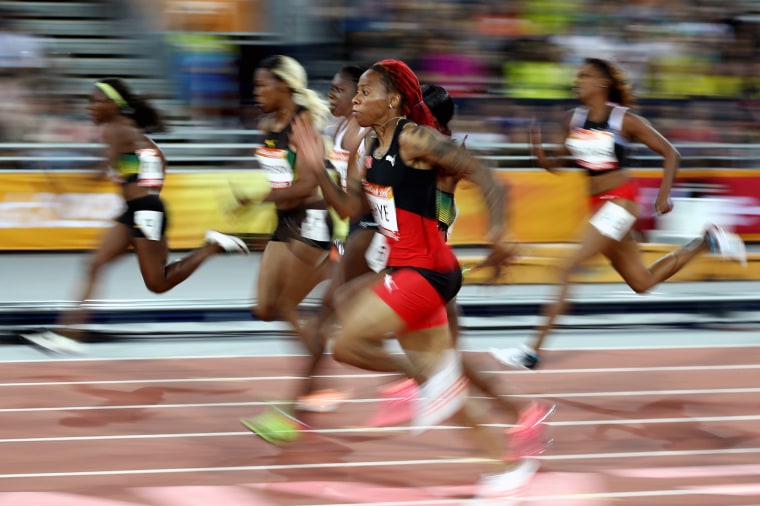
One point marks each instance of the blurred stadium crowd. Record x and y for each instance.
(695, 63)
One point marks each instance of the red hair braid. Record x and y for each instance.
(400, 78)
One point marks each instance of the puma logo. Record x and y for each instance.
(392, 159)
(389, 283)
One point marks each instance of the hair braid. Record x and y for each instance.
(400, 78)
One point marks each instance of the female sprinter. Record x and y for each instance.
(137, 164)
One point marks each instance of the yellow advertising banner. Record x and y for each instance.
(541, 207)
(70, 210)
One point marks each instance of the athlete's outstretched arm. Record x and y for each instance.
(424, 148)
(311, 156)
(549, 162)
(636, 127)
(420, 143)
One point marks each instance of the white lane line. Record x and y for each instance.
(569, 498)
(688, 471)
(370, 430)
(710, 391)
(211, 379)
(276, 467)
(138, 406)
(221, 379)
(150, 356)
(553, 396)
(644, 369)
(341, 465)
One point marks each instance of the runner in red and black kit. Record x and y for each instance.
(424, 272)
(596, 136)
(409, 301)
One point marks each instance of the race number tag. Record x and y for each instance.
(149, 223)
(339, 159)
(383, 208)
(276, 165)
(593, 149)
(377, 252)
(314, 226)
(151, 170)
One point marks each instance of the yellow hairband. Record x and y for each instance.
(111, 93)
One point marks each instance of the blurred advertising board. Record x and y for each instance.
(69, 210)
(726, 197)
(213, 15)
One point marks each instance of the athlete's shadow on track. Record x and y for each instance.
(145, 396)
(684, 435)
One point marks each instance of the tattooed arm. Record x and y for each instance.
(423, 148)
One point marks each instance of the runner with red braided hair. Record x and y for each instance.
(400, 76)
(405, 155)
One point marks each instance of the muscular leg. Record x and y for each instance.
(627, 260)
(160, 277)
(366, 321)
(425, 349)
(592, 243)
(272, 270)
(288, 273)
(476, 378)
(350, 266)
(114, 243)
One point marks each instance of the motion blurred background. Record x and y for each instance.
(695, 65)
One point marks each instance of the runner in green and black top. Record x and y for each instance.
(295, 259)
(138, 165)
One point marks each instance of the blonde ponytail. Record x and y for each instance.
(293, 74)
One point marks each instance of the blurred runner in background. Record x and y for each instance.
(137, 164)
(596, 136)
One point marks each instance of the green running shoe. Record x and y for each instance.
(275, 426)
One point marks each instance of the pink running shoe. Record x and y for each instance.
(323, 401)
(396, 405)
(530, 436)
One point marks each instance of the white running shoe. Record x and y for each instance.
(509, 483)
(523, 357)
(228, 243)
(726, 244)
(55, 343)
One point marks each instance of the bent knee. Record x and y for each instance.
(640, 288)
(156, 285)
(264, 312)
(341, 352)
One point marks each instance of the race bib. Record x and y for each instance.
(276, 165)
(383, 208)
(149, 223)
(314, 226)
(151, 170)
(377, 252)
(593, 149)
(339, 159)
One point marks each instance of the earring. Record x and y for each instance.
(390, 106)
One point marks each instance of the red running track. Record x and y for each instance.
(632, 427)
